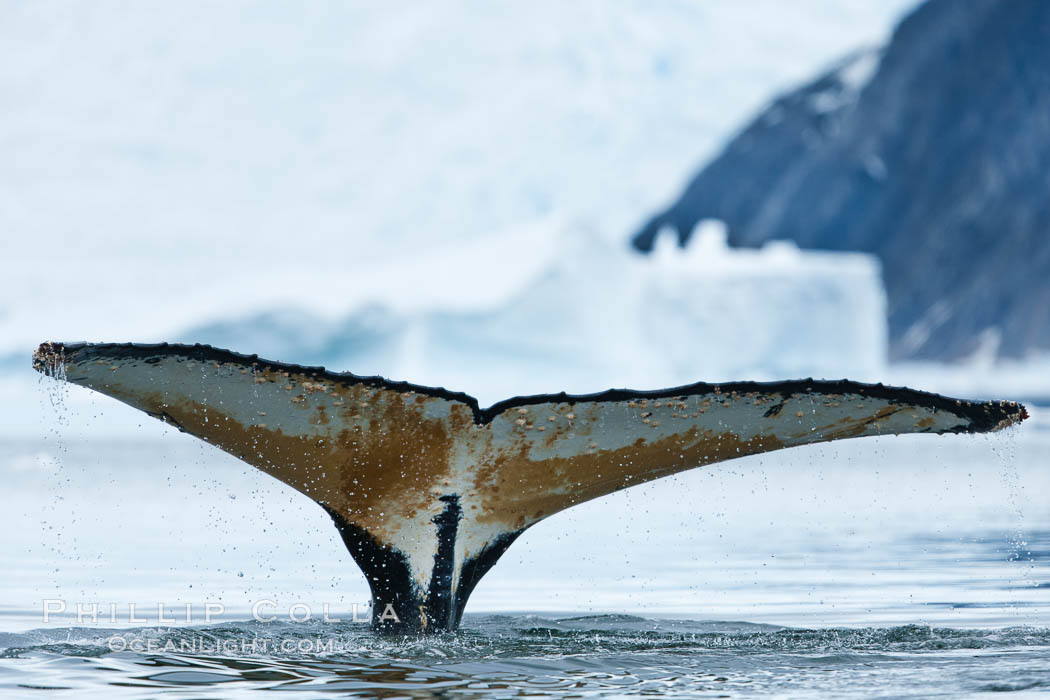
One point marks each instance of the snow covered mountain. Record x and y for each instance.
(170, 165)
(933, 154)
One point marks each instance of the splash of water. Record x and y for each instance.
(1004, 447)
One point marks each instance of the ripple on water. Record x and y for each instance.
(507, 655)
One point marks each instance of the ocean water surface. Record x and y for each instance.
(520, 655)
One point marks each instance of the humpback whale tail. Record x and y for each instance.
(428, 489)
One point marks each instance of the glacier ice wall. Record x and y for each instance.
(597, 315)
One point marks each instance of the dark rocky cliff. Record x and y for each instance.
(939, 163)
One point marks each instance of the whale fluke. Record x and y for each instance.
(428, 489)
